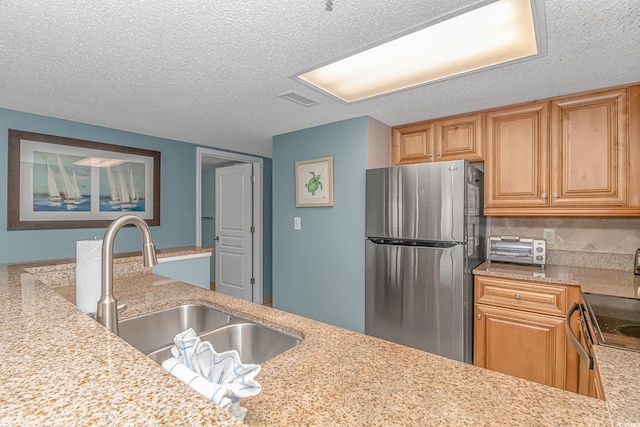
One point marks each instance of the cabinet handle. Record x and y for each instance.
(439, 154)
(544, 195)
(517, 296)
(555, 195)
(479, 316)
(429, 155)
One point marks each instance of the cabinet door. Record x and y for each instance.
(412, 144)
(516, 158)
(458, 138)
(525, 345)
(589, 154)
(595, 386)
(584, 373)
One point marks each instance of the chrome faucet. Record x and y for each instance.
(107, 312)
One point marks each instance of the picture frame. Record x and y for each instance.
(56, 182)
(314, 182)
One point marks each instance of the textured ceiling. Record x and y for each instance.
(208, 72)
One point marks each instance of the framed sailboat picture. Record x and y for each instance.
(56, 182)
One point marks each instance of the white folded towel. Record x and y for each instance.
(220, 377)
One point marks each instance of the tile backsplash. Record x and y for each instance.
(608, 235)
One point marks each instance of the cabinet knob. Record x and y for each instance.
(217, 237)
(479, 316)
(555, 195)
(544, 195)
(517, 296)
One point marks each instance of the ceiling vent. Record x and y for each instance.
(299, 98)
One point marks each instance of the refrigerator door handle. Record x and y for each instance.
(414, 243)
(376, 240)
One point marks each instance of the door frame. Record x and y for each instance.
(258, 169)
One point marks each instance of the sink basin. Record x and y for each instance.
(253, 342)
(152, 331)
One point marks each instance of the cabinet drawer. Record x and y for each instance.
(538, 298)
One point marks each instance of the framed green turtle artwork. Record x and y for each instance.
(314, 182)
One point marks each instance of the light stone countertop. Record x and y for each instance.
(619, 369)
(599, 281)
(60, 367)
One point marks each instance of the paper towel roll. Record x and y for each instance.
(88, 274)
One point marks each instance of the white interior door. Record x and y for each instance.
(234, 246)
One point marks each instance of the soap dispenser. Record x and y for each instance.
(636, 264)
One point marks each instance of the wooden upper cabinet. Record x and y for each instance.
(412, 144)
(575, 155)
(516, 158)
(453, 138)
(589, 153)
(459, 137)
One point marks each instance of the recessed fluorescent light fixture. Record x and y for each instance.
(484, 35)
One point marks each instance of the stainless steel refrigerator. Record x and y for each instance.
(425, 234)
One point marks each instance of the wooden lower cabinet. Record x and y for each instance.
(525, 345)
(589, 379)
(514, 339)
(595, 386)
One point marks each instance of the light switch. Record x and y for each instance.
(297, 224)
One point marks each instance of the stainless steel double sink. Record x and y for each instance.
(153, 333)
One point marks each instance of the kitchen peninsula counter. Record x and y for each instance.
(60, 367)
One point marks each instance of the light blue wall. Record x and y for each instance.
(177, 199)
(177, 211)
(318, 272)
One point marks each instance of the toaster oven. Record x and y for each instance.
(517, 250)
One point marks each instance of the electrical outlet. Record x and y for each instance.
(297, 224)
(549, 234)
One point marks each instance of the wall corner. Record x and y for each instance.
(379, 144)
